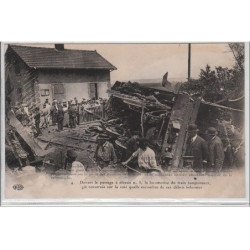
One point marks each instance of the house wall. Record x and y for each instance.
(78, 90)
(81, 90)
(102, 89)
(76, 83)
(71, 90)
(20, 80)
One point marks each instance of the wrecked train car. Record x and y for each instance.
(159, 115)
(163, 118)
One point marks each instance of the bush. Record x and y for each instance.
(216, 85)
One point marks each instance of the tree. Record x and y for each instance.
(220, 83)
(238, 50)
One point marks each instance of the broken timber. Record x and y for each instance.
(221, 106)
(175, 137)
(29, 140)
(135, 101)
(81, 138)
(61, 144)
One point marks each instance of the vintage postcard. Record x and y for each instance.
(124, 124)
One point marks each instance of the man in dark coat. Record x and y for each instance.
(215, 149)
(77, 108)
(72, 116)
(60, 117)
(37, 118)
(197, 148)
(53, 112)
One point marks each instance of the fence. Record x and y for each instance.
(92, 114)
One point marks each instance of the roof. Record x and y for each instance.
(37, 57)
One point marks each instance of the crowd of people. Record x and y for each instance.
(73, 112)
(212, 153)
(61, 113)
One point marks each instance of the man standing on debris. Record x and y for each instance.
(46, 112)
(53, 112)
(72, 115)
(37, 118)
(77, 108)
(75, 101)
(145, 158)
(197, 148)
(215, 150)
(105, 153)
(60, 116)
(83, 112)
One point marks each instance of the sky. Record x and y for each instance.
(152, 61)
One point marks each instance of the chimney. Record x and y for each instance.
(59, 46)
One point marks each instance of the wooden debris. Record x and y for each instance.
(61, 144)
(81, 138)
(20, 129)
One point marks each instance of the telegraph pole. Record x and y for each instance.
(189, 61)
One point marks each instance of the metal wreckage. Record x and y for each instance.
(157, 114)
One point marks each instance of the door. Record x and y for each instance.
(59, 92)
(93, 92)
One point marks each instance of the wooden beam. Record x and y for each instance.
(20, 129)
(61, 144)
(220, 106)
(181, 112)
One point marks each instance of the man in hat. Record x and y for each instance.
(75, 101)
(82, 110)
(76, 111)
(46, 113)
(105, 152)
(37, 118)
(53, 112)
(60, 116)
(215, 150)
(197, 148)
(72, 115)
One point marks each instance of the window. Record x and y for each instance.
(58, 88)
(44, 92)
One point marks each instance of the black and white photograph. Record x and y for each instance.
(124, 125)
(123, 120)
